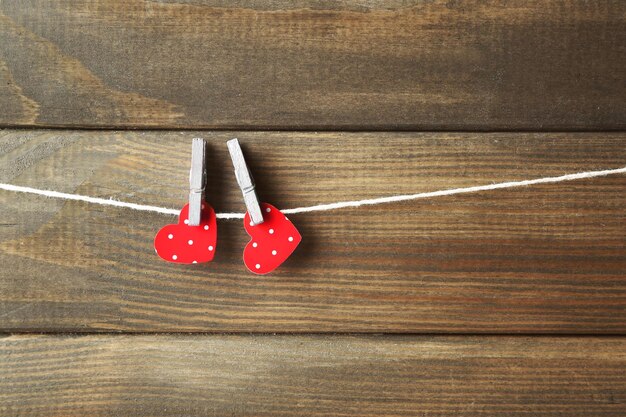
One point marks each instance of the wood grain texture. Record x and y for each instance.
(453, 65)
(311, 376)
(541, 259)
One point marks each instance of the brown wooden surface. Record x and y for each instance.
(327, 64)
(311, 376)
(540, 259)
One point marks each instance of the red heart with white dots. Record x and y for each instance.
(273, 241)
(186, 244)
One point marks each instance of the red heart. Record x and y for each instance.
(185, 244)
(272, 241)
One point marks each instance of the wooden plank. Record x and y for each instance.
(541, 259)
(311, 376)
(470, 65)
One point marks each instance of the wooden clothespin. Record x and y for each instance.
(197, 181)
(246, 183)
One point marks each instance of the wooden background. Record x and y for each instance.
(508, 302)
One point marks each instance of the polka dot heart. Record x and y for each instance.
(185, 244)
(271, 242)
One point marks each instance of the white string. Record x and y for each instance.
(477, 188)
(87, 199)
(320, 207)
